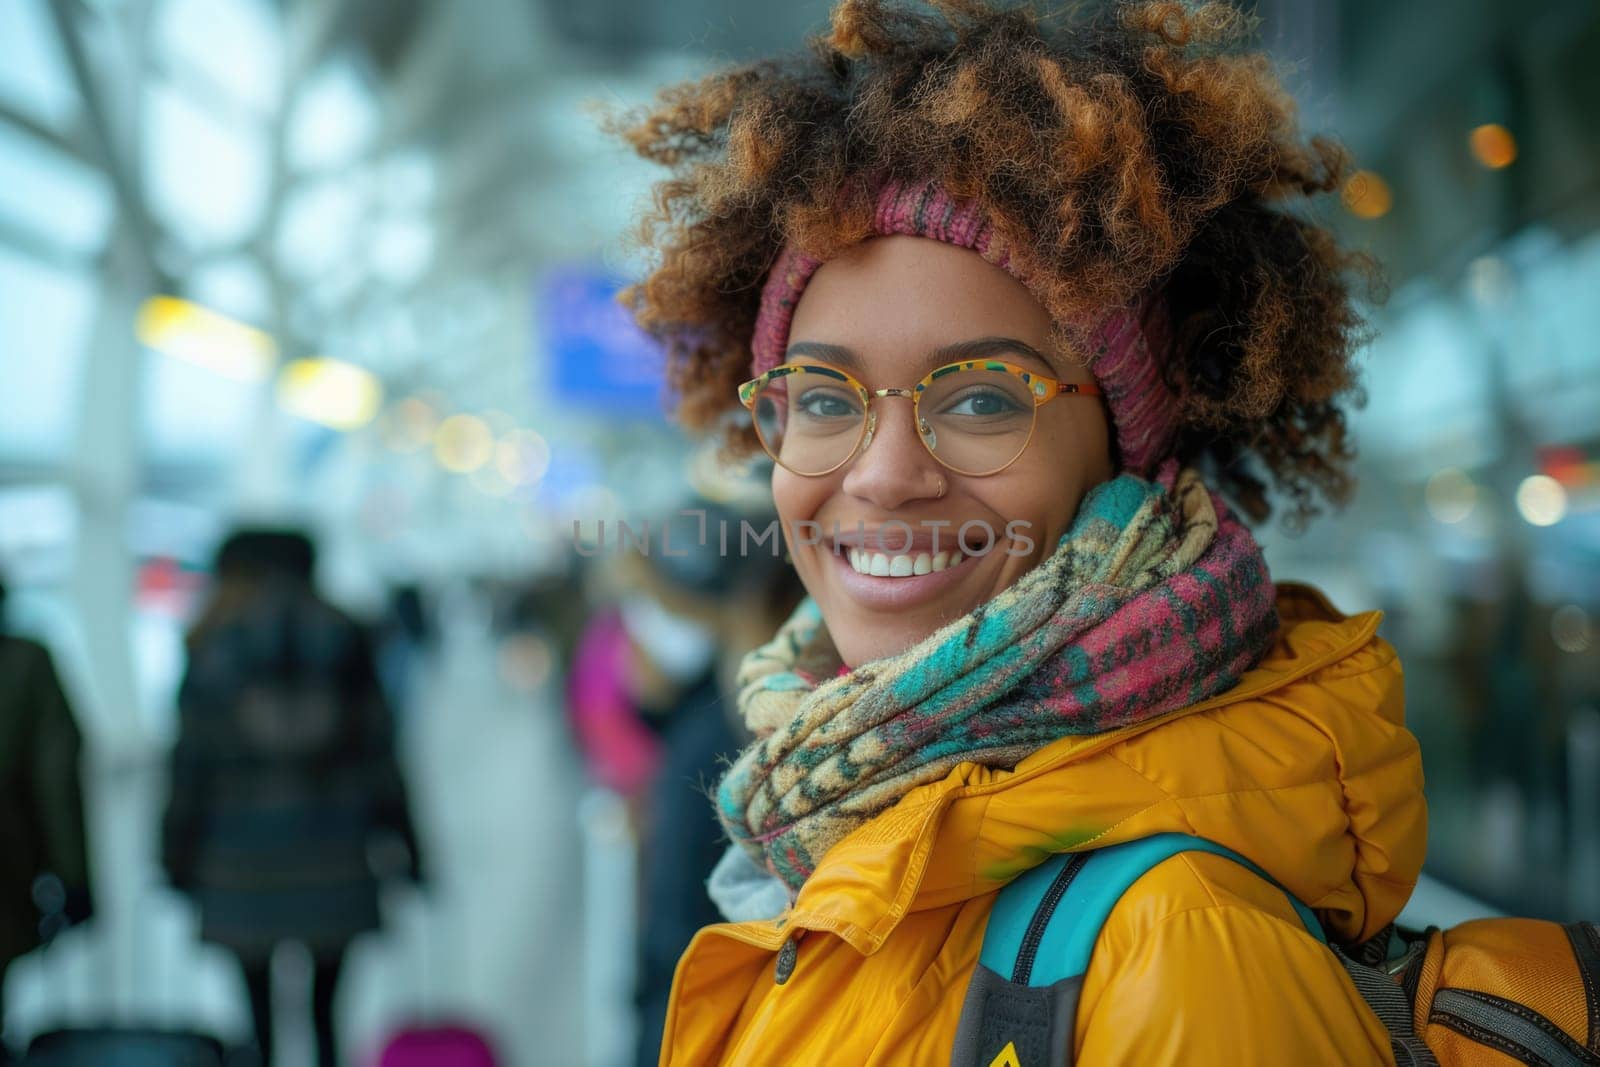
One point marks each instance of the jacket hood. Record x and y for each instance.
(1305, 767)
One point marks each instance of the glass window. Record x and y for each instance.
(236, 44)
(52, 195)
(44, 319)
(334, 120)
(34, 77)
(192, 416)
(206, 176)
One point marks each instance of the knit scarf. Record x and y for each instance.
(1154, 599)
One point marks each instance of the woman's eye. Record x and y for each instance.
(982, 402)
(826, 404)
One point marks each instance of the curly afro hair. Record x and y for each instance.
(1135, 146)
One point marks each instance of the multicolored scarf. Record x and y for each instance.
(1155, 599)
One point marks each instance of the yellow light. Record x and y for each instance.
(1542, 500)
(330, 391)
(198, 335)
(463, 443)
(1451, 495)
(1493, 145)
(522, 457)
(1367, 196)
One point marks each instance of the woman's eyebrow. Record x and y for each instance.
(977, 348)
(836, 354)
(984, 347)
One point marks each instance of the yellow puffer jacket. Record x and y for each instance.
(1305, 767)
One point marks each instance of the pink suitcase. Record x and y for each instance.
(445, 1045)
(434, 1037)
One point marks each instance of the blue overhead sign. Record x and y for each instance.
(598, 358)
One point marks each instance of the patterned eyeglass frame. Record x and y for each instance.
(1043, 390)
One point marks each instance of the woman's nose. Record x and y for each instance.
(893, 468)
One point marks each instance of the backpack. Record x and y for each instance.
(1474, 994)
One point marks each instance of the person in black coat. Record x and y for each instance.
(726, 598)
(44, 856)
(284, 777)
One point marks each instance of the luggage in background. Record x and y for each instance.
(123, 1046)
(439, 1045)
(433, 1038)
(126, 1036)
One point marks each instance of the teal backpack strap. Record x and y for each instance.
(1068, 934)
(1021, 1005)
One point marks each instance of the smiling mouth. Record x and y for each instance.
(902, 565)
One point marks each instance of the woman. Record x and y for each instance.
(284, 776)
(1014, 302)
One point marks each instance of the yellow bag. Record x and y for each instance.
(1490, 991)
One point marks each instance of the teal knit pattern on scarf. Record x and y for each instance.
(1156, 598)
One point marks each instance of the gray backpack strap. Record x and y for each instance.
(1014, 1014)
(1390, 1002)
(1004, 1024)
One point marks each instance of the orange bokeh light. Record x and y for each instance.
(1493, 146)
(1367, 195)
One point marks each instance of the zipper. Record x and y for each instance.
(1585, 939)
(1512, 1028)
(1041, 917)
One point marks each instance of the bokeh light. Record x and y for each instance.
(1493, 145)
(1541, 500)
(1491, 282)
(1367, 196)
(522, 457)
(1451, 494)
(331, 392)
(1570, 629)
(463, 443)
(410, 425)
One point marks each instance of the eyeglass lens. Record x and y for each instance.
(974, 421)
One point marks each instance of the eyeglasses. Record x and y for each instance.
(975, 416)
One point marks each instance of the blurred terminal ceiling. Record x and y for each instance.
(400, 249)
(1402, 84)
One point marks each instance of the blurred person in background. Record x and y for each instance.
(691, 612)
(44, 859)
(287, 802)
(619, 745)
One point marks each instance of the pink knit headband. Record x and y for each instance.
(1121, 348)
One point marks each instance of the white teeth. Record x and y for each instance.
(880, 565)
